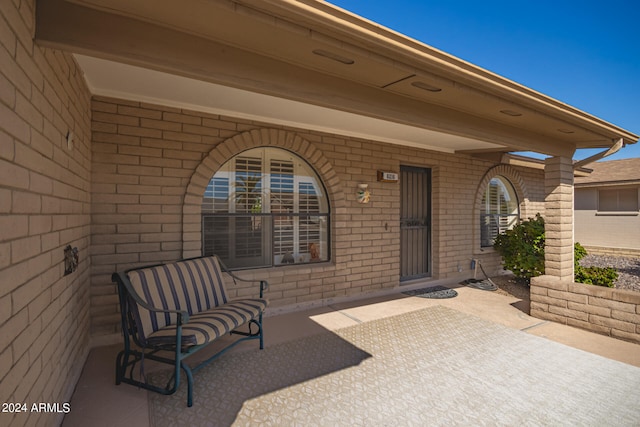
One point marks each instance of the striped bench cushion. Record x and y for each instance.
(193, 286)
(205, 327)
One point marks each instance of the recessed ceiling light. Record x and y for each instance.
(511, 113)
(424, 86)
(334, 56)
(565, 130)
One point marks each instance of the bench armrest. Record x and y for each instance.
(264, 285)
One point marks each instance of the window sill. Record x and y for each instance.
(629, 213)
(297, 265)
(484, 250)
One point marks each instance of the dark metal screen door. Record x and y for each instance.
(415, 223)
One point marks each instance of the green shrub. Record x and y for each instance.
(522, 251)
(579, 252)
(522, 248)
(599, 276)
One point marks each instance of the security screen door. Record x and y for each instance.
(415, 223)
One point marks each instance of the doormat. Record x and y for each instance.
(435, 292)
(485, 285)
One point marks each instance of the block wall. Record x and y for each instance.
(607, 311)
(151, 164)
(44, 206)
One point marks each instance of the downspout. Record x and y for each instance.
(614, 149)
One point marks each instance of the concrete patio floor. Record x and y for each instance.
(97, 401)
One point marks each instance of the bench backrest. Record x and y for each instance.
(193, 285)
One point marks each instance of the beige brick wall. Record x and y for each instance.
(151, 164)
(559, 230)
(607, 311)
(44, 206)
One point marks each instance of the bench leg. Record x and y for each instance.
(261, 333)
(187, 371)
(120, 367)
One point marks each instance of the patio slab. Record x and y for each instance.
(99, 402)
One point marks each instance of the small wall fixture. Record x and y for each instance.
(363, 193)
(387, 176)
(70, 140)
(70, 259)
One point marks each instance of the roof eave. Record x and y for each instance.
(401, 47)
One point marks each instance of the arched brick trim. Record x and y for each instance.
(192, 207)
(518, 184)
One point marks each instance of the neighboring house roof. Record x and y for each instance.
(613, 172)
(309, 64)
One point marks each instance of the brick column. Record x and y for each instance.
(558, 182)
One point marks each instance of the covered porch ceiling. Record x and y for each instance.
(306, 63)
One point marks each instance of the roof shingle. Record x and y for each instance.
(612, 172)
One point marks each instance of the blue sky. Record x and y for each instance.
(583, 53)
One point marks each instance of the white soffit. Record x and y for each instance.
(117, 80)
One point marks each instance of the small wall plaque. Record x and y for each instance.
(387, 176)
(70, 259)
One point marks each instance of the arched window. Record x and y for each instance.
(500, 210)
(265, 207)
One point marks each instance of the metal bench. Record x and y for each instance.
(171, 311)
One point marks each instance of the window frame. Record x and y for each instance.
(512, 218)
(302, 179)
(608, 210)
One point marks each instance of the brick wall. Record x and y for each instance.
(44, 206)
(151, 164)
(607, 311)
(559, 232)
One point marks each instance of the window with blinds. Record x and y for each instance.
(282, 202)
(265, 207)
(500, 210)
(309, 225)
(618, 200)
